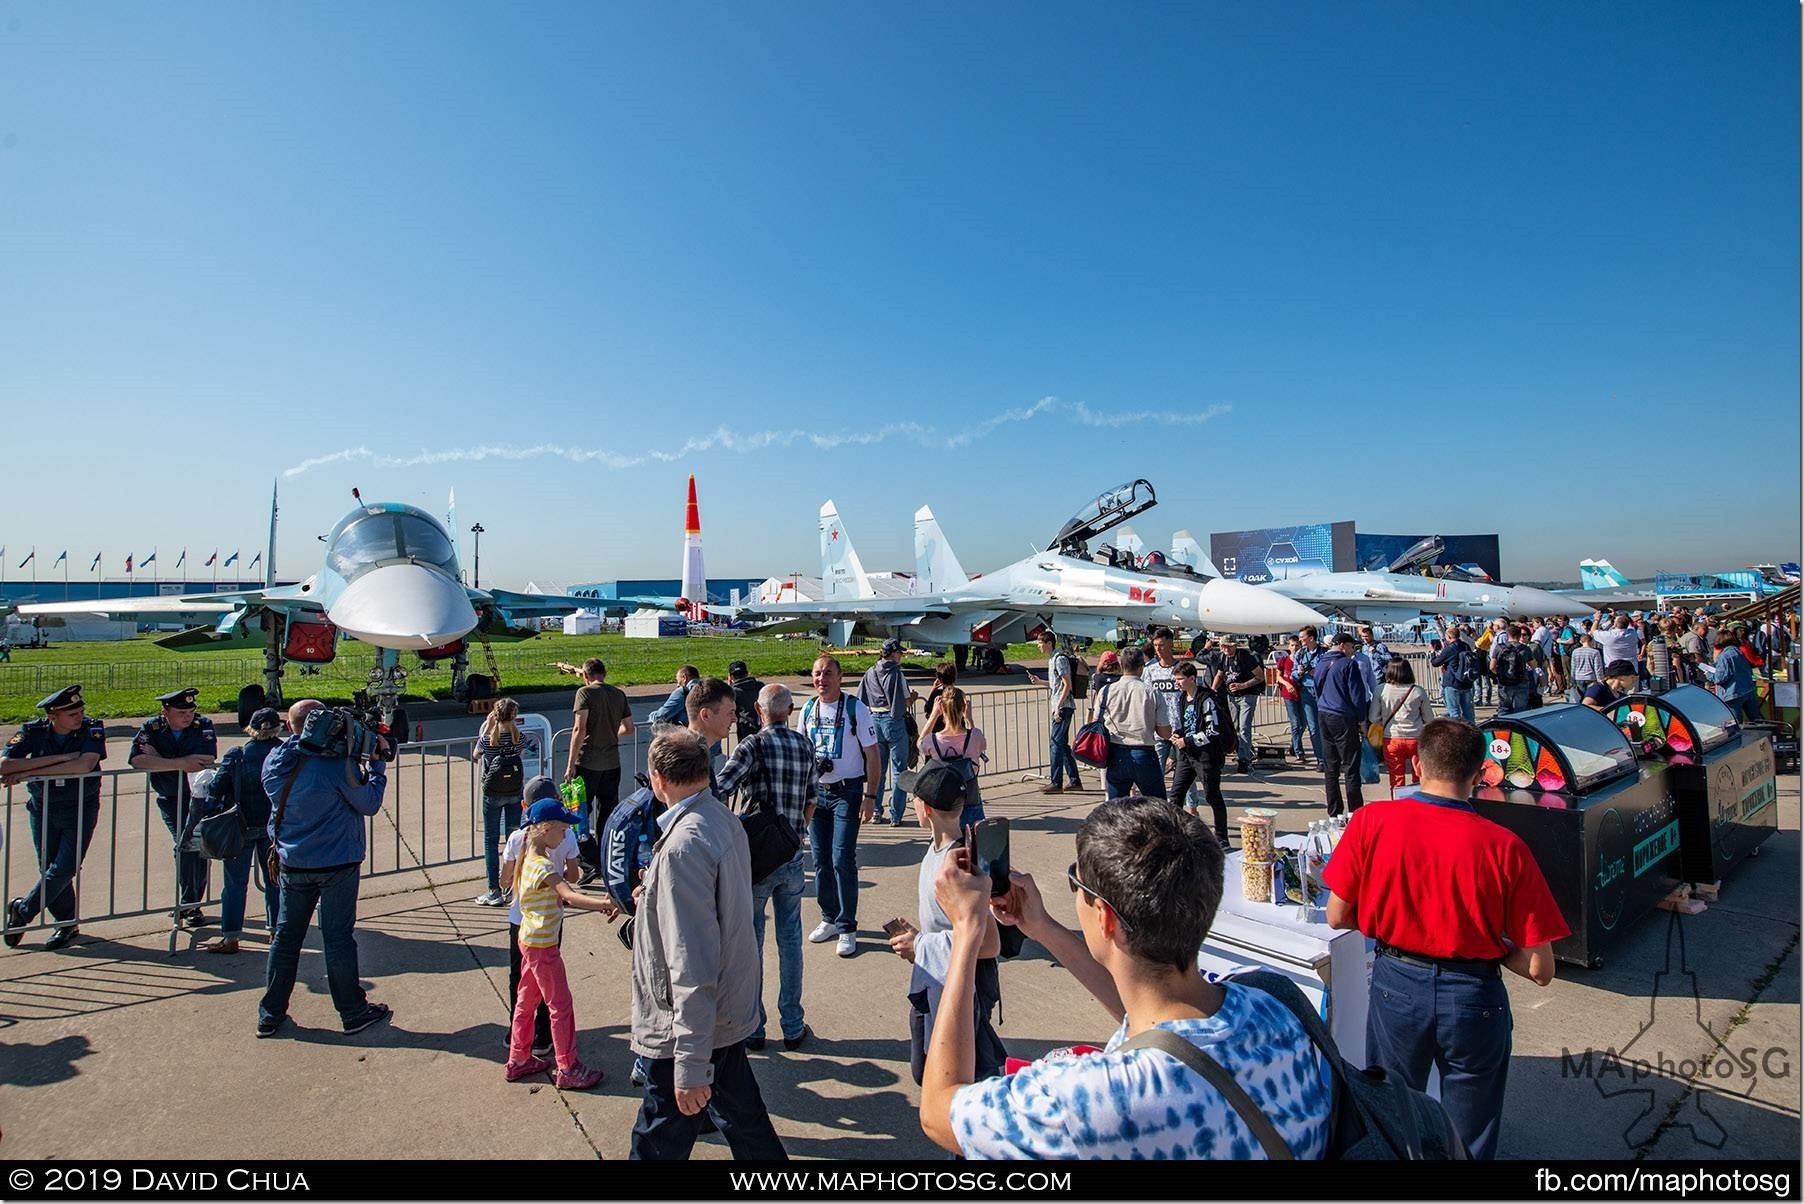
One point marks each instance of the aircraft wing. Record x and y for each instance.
(287, 597)
(528, 606)
(904, 610)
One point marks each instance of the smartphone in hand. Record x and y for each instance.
(988, 843)
(895, 927)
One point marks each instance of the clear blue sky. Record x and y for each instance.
(1431, 268)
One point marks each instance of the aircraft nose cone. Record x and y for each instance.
(1248, 610)
(1542, 604)
(404, 606)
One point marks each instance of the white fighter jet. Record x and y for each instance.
(1064, 588)
(390, 579)
(1394, 595)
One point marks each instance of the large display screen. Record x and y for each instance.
(1376, 551)
(1281, 553)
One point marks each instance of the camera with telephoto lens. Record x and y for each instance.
(336, 732)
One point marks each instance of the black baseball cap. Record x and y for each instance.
(737, 670)
(940, 787)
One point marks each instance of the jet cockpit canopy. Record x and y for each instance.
(1108, 510)
(385, 534)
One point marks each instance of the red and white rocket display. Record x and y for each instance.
(694, 580)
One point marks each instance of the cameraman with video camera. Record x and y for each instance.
(320, 794)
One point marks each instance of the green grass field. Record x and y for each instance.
(122, 678)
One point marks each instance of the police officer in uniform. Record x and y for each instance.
(169, 745)
(50, 755)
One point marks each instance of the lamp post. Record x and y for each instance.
(476, 575)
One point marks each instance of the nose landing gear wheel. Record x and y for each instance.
(251, 699)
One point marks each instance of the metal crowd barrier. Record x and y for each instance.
(431, 816)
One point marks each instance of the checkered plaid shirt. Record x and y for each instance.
(777, 765)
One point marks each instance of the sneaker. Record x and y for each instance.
(577, 1078)
(376, 1013)
(518, 1070)
(880, 820)
(755, 1044)
(542, 1051)
(848, 944)
(193, 917)
(800, 1039)
(61, 937)
(590, 873)
(269, 1028)
(823, 932)
(15, 918)
(491, 898)
(1052, 788)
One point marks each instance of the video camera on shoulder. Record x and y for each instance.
(335, 732)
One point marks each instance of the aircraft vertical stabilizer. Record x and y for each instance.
(1185, 550)
(936, 567)
(269, 559)
(1601, 574)
(1128, 540)
(842, 574)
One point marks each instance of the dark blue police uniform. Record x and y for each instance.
(63, 813)
(157, 738)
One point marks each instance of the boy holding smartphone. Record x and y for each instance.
(939, 796)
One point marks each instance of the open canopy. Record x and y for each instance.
(1108, 510)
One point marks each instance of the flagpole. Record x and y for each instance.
(34, 568)
(65, 575)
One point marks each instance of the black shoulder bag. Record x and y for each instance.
(773, 843)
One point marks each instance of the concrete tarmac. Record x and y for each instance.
(1704, 1014)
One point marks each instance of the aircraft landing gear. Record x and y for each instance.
(387, 680)
(460, 676)
(254, 698)
(989, 660)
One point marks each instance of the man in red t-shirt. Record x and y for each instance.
(1449, 897)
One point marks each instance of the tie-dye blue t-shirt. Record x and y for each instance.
(1147, 1104)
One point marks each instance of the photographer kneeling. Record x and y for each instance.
(1139, 959)
(320, 796)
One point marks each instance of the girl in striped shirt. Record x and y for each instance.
(543, 894)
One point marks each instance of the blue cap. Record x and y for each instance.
(547, 810)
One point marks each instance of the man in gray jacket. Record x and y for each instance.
(697, 974)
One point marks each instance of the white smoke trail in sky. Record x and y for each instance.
(743, 442)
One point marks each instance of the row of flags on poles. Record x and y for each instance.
(132, 564)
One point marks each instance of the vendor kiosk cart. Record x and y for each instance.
(1603, 827)
(1722, 775)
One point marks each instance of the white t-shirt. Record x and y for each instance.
(1164, 683)
(561, 857)
(833, 738)
(1616, 645)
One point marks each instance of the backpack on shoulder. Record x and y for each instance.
(1373, 1115)
(1512, 665)
(1080, 674)
(966, 767)
(626, 839)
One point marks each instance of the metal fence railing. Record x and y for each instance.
(431, 816)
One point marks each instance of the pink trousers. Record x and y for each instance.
(542, 979)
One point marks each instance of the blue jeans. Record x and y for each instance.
(191, 872)
(892, 762)
(1512, 698)
(334, 892)
(1312, 719)
(237, 873)
(500, 815)
(61, 838)
(1746, 709)
(834, 834)
(1293, 709)
(784, 886)
(1062, 756)
(1460, 1023)
(1134, 769)
(735, 1106)
(1244, 707)
(1458, 703)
